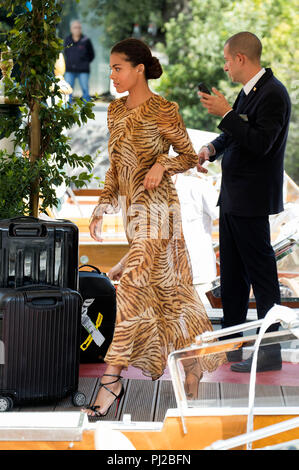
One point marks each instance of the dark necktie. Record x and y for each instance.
(242, 97)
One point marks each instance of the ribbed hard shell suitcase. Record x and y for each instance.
(40, 341)
(38, 251)
(99, 307)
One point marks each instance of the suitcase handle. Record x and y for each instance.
(24, 232)
(40, 298)
(27, 230)
(36, 291)
(90, 266)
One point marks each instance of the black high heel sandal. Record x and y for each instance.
(95, 409)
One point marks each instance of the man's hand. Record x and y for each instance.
(154, 176)
(215, 104)
(203, 155)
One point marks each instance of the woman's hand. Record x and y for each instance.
(95, 228)
(115, 273)
(154, 176)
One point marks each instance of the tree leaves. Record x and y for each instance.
(35, 47)
(194, 45)
(16, 175)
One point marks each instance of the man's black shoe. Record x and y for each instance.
(265, 362)
(234, 356)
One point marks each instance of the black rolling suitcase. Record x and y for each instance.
(39, 345)
(38, 251)
(98, 314)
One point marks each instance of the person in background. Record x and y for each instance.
(78, 54)
(252, 143)
(198, 200)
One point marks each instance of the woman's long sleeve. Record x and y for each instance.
(108, 201)
(173, 129)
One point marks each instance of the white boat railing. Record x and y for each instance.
(206, 344)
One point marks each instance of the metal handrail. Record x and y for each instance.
(288, 318)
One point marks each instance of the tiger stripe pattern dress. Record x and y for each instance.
(158, 308)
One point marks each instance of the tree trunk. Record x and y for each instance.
(35, 143)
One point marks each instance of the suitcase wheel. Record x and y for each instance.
(6, 403)
(79, 399)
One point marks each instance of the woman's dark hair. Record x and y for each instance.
(137, 52)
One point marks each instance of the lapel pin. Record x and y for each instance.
(254, 89)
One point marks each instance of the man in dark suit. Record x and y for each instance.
(252, 145)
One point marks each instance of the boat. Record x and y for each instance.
(197, 423)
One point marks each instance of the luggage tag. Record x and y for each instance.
(89, 325)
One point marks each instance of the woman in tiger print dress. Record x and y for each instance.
(158, 309)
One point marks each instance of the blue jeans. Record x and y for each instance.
(83, 77)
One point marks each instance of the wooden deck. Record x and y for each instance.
(148, 401)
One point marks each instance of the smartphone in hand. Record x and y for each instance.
(202, 87)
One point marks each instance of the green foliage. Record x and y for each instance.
(35, 47)
(194, 45)
(118, 17)
(14, 197)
